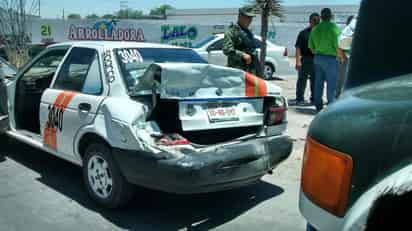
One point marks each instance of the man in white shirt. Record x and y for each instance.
(345, 43)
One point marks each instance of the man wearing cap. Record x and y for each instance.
(240, 45)
(323, 42)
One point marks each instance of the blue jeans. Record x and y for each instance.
(327, 70)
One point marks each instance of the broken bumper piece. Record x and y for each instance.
(225, 167)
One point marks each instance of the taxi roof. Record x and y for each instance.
(114, 44)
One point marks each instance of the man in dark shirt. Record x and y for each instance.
(304, 61)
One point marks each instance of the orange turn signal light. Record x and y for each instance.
(326, 177)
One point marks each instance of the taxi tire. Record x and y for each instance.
(122, 191)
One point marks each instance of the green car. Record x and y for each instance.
(357, 165)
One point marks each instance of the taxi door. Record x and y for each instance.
(73, 99)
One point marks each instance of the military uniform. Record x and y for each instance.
(239, 41)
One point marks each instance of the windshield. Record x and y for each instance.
(204, 41)
(133, 62)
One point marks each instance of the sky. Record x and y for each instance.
(54, 8)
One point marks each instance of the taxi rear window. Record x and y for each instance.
(134, 61)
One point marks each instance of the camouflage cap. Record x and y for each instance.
(247, 11)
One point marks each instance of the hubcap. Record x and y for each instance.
(100, 178)
(268, 72)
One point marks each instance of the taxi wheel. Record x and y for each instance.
(103, 179)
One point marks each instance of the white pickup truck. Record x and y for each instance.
(150, 115)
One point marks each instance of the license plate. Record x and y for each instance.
(219, 114)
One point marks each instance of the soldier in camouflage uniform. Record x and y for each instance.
(240, 45)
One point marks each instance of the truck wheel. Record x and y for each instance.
(390, 212)
(103, 179)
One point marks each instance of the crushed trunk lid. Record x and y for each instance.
(205, 99)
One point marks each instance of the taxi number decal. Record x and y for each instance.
(55, 120)
(130, 56)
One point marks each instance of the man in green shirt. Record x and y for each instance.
(323, 42)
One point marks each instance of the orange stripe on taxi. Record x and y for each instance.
(254, 86)
(50, 130)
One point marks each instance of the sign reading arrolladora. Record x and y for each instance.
(106, 30)
(50, 31)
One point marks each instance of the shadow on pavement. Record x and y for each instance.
(150, 210)
(305, 110)
(278, 78)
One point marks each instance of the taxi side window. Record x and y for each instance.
(80, 72)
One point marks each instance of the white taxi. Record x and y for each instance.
(150, 115)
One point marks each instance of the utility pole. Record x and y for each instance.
(39, 9)
(63, 13)
(266, 8)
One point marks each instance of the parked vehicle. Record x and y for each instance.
(152, 115)
(7, 72)
(277, 61)
(357, 171)
(8, 69)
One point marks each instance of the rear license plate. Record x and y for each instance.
(222, 113)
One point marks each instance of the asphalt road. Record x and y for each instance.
(41, 192)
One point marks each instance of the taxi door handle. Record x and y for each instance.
(85, 107)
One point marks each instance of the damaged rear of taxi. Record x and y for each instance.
(200, 128)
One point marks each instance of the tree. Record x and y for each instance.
(109, 16)
(14, 33)
(266, 8)
(74, 16)
(161, 10)
(129, 14)
(92, 16)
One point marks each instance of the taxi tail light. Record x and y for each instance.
(326, 177)
(275, 115)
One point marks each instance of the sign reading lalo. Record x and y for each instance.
(106, 31)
